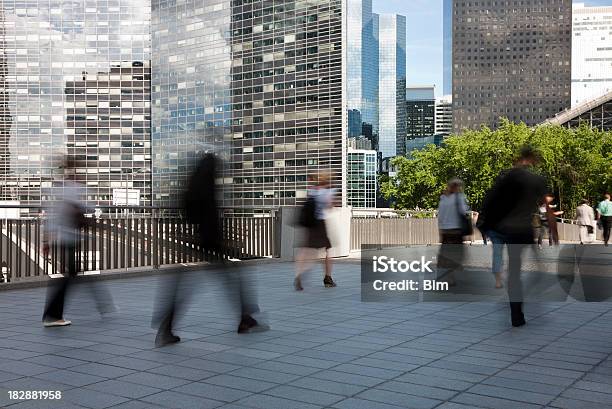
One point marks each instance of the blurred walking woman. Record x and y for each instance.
(453, 223)
(320, 199)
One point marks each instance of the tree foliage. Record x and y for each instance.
(577, 163)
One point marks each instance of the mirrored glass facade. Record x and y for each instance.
(392, 85)
(362, 65)
(361, 178)
(259, 81)
(60, 95)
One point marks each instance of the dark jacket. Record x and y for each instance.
(201, 203)
(509, 205)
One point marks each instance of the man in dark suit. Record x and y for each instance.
(508, 211)
(201, 210)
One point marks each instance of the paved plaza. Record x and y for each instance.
(325, 349)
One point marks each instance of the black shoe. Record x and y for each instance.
(328, 282)
(519, 323)
(163, 339)
(249, 325)
(297, 284)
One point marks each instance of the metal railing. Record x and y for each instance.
(387, 227)
(143, 237)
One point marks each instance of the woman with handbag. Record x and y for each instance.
(454, 223)
(585, 218)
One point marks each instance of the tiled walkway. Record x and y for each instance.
(325, 349)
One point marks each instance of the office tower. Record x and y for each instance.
(260, 82)
(361, 178)
(447, 57)
(511, 59)
(392, 85)
(355, 127)
(591, 52)
(110, 138)
(444, 115)
(362, 65)
(420, 111)
(5, 117)
(45, 46)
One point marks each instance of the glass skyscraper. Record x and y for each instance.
(392, 85)
(58, 90)
(447, 57)
(362, 63)
(258, 81)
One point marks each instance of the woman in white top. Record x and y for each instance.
(316, 234)
(585, 218)
(452, 212)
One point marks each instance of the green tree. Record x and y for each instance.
(577, 164)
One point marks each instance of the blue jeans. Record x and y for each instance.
(498, 251)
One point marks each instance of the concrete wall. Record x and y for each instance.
(338, 230)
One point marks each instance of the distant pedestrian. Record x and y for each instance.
(551, 215)
(604, 215)
(509, 207)
(312, 217)
(454, 223)
(585, 218)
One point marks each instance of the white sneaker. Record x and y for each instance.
(58, 323)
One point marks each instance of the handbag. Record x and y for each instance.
(467, 227)
(590, 229)
(306, 217)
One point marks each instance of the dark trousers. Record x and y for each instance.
(58, 287)
(174, 294)
(56, 291)
(606, 224)
(516, 244)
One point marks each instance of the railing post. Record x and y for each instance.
(154, 240)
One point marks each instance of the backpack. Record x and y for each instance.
(306, 217)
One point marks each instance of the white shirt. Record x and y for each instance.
(323, 199)
(450, 210)
(61, 224)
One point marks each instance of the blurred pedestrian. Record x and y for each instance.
(454, 223)
(65, 218)
(509, 207)
(551, 216)
(201, 210)
(585, 218)
(604, 216)
(312, 217)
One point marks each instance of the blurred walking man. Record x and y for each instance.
(509, 207)
(200, 203)
(65, 219)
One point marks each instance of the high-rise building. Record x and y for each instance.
(6, 119)
(45, 47)
(444, 115)
(361, 64)
(510, 59)
(392, 85)
(258, 81)
(447, 57)
(110, 138)
(420, 112)
(591, 52)
(361, 178)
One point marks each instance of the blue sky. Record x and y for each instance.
(424, 31)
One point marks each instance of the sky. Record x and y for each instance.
(424, 31)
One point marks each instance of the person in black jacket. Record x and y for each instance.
(508, 211)
(201, 210)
